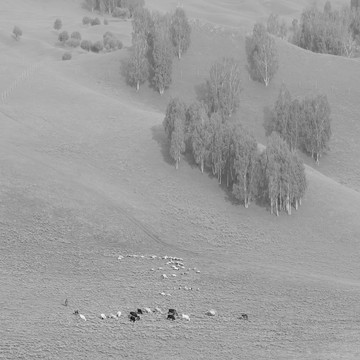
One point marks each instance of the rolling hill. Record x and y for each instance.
(85, 176)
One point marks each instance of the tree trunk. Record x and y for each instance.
(300, 201)
(179, 52)
(202, 165)
(271, 206)
(276, 206)
(296, 204)
(176, 164)
(161, 91)
(137, 86)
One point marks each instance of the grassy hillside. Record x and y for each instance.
(86, 176)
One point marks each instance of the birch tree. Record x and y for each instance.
(245, 158)
(180, 31)
(138, 66)
(199, 132)
(224, 87)
(262, 55)
(316, 128)
(177, 143)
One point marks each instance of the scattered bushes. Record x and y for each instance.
(66, 56)
(63, 36)
(86, 20)
(111, 42)
(73, 43)
(17, 32)
(97, 46)
(57, 24)
(86, 45)
(76, 35)
(122, 13)
(95, 21)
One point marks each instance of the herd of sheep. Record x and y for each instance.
(175, 263)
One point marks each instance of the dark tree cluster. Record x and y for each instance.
(156, 40)
(230, 152)
(329, 31)
(304, 125)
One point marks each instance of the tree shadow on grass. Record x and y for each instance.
(159, 136)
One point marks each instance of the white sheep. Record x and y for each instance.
(148, 310)
(157, 309)
(173, 275)
(112, 316)
(82, 317)
(185, 317)
(118, 314)
(103, 316)
(164, 276)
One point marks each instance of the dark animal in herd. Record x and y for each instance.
(171, 317)
(76, 312)
(139, 311)
(173, 312)
(134, 315)
(244, 317)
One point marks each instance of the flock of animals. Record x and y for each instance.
(133, 316)
(175, 263)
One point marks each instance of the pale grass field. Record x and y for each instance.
(85, 176)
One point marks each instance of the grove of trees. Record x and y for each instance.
(230, 152)
(329, 31)
(156, 39)
(262, 55)
(304, 125)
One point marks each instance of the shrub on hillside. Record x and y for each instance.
(111, 42)
(75, 35)
(73, 43)
(57, 24)
(122, 13)
(97, 46)
(86, 20)
(95, 21)
(86, 45)
(17, 32)
(63, 36)
(66, 56)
